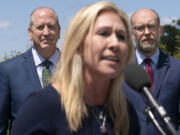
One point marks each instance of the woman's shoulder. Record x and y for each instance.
(48, 92)
(39, 112)
(47, 97)
(45, 102)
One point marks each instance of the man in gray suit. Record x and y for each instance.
(22, 75)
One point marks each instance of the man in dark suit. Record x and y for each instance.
(22, 75)
(164, 71)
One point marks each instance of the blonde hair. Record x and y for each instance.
(70, 70)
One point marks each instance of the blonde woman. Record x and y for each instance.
(85, 96)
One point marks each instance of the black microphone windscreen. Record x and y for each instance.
(136, 77)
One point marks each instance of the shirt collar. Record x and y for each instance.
(140, 57)
(38, 59)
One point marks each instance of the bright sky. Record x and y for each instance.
(14, 17)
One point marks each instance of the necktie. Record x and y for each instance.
(46, 74)
(149, 70)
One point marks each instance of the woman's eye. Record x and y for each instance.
(121, 37)
(103, 33)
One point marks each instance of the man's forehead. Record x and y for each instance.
(146, 16)
(42, 11)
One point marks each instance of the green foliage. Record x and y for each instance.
(178, 54)
(170, 40)
(11, 55)
(14, 53)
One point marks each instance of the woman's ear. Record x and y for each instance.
(80, 49)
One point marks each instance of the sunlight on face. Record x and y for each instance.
(109, 47)
(45, 31)
(146, 31)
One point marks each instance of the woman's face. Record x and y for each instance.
(109, 47)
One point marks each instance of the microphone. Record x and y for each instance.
(138, 79)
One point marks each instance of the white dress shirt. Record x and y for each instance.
(38, 59)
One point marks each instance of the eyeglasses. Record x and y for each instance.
(142, 28)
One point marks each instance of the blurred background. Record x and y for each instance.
(14, 21)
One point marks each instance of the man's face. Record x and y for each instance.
(146, 31)
(45, 31)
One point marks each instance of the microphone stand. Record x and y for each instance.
(154, 121)
(152, 101)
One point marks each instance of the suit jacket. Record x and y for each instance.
(18, 79)
(166, 90)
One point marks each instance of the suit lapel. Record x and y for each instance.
(162, 67)
(30, 70)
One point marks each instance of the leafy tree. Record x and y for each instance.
(178, 22)
(14, 53)
(170, 40)
(178, 54)
(11, 55)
